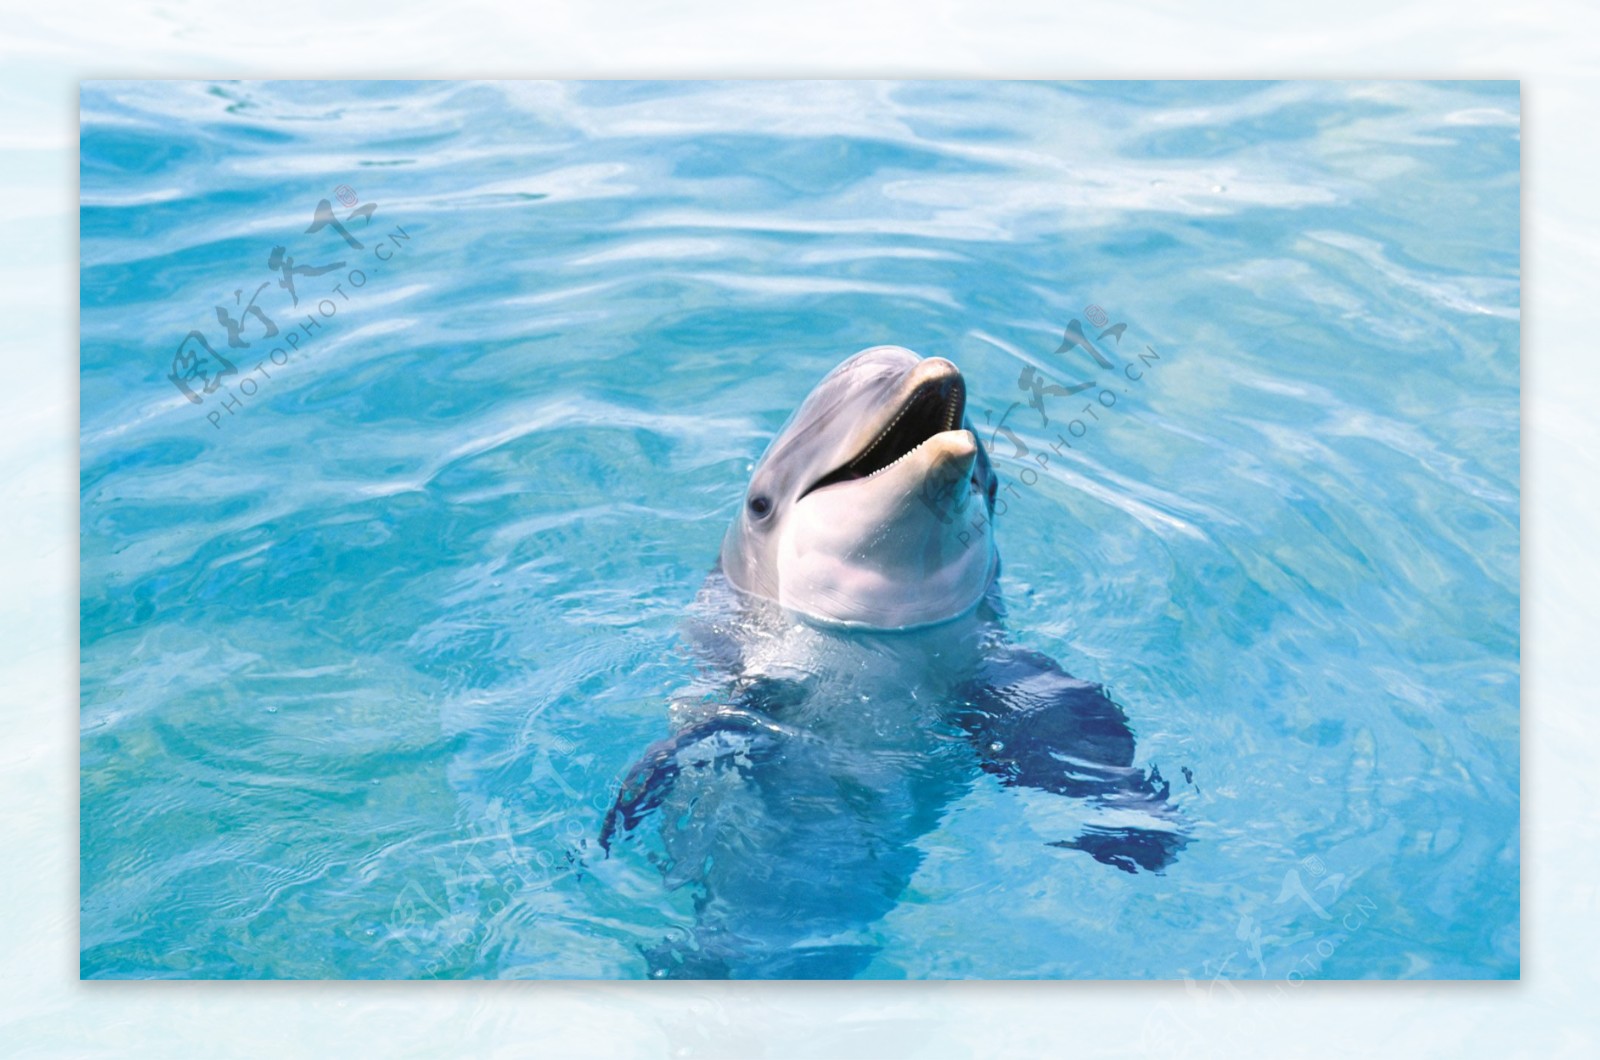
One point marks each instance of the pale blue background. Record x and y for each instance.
(46, 1011)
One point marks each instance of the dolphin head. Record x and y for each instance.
(872, 506)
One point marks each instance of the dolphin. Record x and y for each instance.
(856, 678)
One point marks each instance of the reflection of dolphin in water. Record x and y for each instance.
(855, 671)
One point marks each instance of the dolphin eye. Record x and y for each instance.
(760, 506)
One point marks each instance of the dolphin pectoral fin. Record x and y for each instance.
(719, 741)
(1150, 844)
(1033, 725)
(1128, 849)
(645, 785)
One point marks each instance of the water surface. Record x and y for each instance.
(369, 634)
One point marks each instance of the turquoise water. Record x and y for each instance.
(369, 635)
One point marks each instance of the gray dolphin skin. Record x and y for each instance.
(855, 680)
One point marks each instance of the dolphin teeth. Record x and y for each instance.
(932, 408)
(941, 398)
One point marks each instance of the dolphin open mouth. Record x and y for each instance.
(934, 407)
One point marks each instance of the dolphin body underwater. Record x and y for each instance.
(854, 680)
